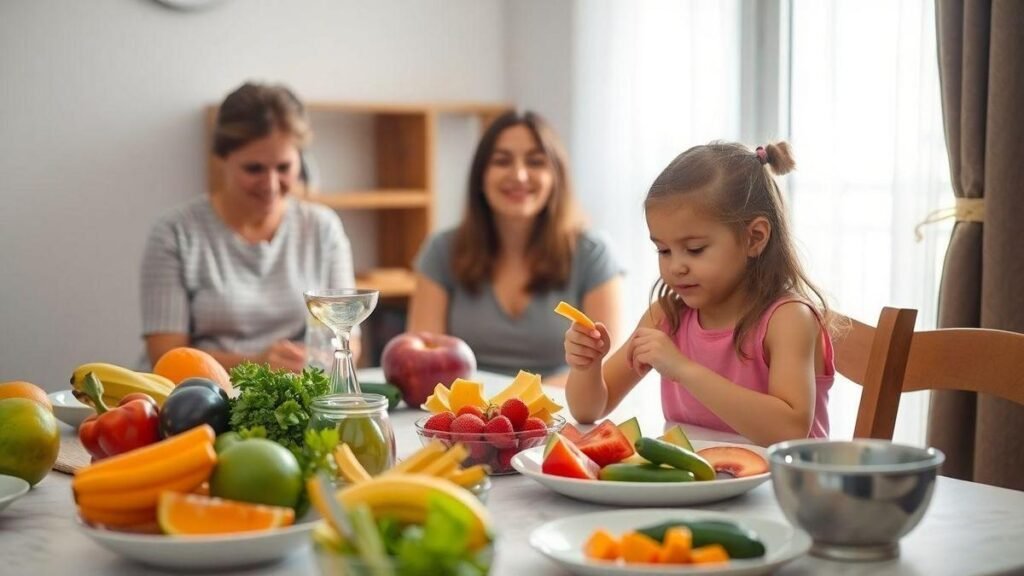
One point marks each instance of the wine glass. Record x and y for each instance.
(341, 309)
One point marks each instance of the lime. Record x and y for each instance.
(225, 441)
(367, 442)
(29, 439)
(259, 471)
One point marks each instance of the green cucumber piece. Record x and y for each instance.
(644, 473)
(739, 542)
(661, 452)
(389, 391)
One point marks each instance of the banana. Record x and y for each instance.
(405, 496)
(119, 381)
(164, 382)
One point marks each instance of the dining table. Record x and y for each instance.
(969, 528)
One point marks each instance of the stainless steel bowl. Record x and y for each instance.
(855, 498)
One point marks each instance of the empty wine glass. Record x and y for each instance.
(342, 309)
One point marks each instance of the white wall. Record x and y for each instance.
(101, 132)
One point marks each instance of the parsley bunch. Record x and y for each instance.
(276, 400)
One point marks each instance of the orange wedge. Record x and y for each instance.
(189, 514)
(567, 310)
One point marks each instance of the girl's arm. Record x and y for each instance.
(593, 390)
(428, 309)
(787, 410)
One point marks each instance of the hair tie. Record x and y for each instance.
(762, 155)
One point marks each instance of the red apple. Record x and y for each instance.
(418, 361)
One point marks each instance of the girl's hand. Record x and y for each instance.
(651, 348)
(284, 354)
(584, 347)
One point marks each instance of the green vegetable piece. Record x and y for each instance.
(739, 542)
(364, 437)
(369, 544)
(661, 452)
(389, 391)
(644, 473)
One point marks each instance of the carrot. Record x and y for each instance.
(143, 498)
(676, 547)
(710, 554)
(148, 474)
(119, 518)
(640, 548)
(161, 450)
(601, 546)
(567, 310)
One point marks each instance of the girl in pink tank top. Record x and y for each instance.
(739, 335)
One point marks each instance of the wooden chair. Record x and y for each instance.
(891, 358)
(876, 358)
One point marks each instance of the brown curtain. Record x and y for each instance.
(981, 71)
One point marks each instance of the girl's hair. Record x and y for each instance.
(734, 185)
(552, 240)
(253, 111)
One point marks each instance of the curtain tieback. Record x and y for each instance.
(965, 210)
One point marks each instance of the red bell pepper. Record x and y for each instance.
(134, 423)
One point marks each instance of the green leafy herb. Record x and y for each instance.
(276, 400)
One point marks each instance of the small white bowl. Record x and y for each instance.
(68, 409)
(11, 488)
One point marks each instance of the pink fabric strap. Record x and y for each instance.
(762, 155)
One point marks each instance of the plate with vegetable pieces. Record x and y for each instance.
(668, 541)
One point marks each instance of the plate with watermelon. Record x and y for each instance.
(616, 465)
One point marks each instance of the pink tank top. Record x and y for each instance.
(714, 349)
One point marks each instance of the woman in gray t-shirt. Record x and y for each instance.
(495, 279)
(226, 273)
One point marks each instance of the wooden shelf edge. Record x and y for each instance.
(371, 200)
(390, 281)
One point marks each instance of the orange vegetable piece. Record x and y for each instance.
(710, 554)
(567, 310)
(601, 546)
(194, 514)
(117, 518)
(640, 548)
(677, 546)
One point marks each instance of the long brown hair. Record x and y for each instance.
(253, 111)
(552, 240)
(736, 185)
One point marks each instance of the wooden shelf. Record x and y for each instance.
(392, 282)
(373, 199)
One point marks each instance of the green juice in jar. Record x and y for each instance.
(364, 437)
(362, 423)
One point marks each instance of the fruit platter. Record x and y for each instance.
(616, 465)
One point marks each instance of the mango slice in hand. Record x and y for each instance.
(567, 310)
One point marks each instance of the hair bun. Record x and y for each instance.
(780, 158)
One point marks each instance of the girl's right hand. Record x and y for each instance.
(584, 347)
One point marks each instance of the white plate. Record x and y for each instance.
(68, 409)
(11, 488)
(528, 463)
(204, 552)
(563, 540)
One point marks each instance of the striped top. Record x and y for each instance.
(201, 279)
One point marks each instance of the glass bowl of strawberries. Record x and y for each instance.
(490, 437)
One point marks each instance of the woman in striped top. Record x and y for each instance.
(226, 272)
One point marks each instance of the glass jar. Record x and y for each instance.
(362, 423)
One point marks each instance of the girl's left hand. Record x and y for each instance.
(652, 348)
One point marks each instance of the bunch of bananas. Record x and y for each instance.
(119, 382)
(405, 497)
(123, 490)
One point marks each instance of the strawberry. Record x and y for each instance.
(492, 411)
(504, 461)
(479, 453)
(467, 427)
(470, 409)
(439, 423)
(534, 428)
(499, 432)
(516, 411)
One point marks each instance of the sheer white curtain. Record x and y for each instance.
(651, 79)
(871, 159)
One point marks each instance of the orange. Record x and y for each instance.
(21, 389)
(197, 514)
(180, 364)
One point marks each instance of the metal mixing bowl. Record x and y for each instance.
(855, 498)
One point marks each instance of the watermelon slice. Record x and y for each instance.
(606, 444)
(571, 433)
(563, 458)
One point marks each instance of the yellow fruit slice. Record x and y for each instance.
(545, 403)
(466, 393)
(349, 465)
(567, 310)
(439, 400)
(516, 389)
(195, 514)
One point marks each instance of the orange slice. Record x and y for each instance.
(189, 514)
(567, 310)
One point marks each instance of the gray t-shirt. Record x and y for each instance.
(200, 278)
(532, 341)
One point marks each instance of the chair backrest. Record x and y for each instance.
(891, 358)
(876, 358)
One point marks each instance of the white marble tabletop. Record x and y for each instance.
(969, 528)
